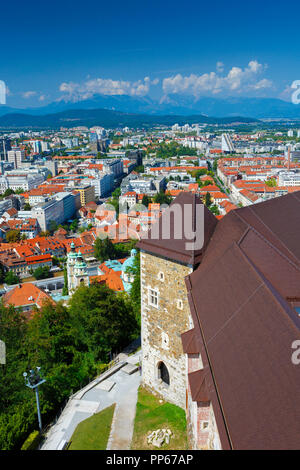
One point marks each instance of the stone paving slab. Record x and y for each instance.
(130, 369)
(107, 385)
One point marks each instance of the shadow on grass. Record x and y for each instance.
(93, 432)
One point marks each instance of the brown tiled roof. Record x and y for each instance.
(189, 342)
(240, 303)
(198, 386)
(278, 220)
(177, 248)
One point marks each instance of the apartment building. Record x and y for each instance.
(113, 166)
(16, 156)
(87, 193)
(289, 178)
(103, 184)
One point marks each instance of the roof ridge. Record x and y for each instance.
(250, 227)
(266, 283)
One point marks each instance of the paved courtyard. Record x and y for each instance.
(83, 405)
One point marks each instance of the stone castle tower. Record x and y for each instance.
(76, 270)
(165, 262)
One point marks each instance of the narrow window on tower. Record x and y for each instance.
(153, 297)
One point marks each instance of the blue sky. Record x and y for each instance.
(73, 49)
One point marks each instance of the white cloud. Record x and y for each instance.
(263, 84)
(28, 94)
(77, 91)
(237, 80)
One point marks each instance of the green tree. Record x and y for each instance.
(74, 225)
(2, 273)
(215, 164)
(272, 183)
(197, 173)
(44, 234)
(13, 236)
(103, 320)
(162, 198)
(11, 278)
(116, 193)
(52, 227)
(104, 249)
(19, 191)
(68, 342)
(42, 272)
(65, 290)
(146, 200)
(208, 201)
(8, 192)
(139, 169)
(214, 209)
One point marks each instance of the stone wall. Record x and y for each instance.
(163, 324)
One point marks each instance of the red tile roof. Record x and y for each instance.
(26, 294)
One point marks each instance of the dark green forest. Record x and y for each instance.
(71, 344)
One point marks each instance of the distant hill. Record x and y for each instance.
(106, 118)
(177, 105)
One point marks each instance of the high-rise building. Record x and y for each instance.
(16, 156)
(45, 146)
(36, 146)
(135, 155)
(4, 148)
(227, 145)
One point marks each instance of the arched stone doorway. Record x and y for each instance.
(163, 373)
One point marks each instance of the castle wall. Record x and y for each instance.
(201, 423)
(162, 281)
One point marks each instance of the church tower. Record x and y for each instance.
(80, 272)
(76, 270)
(71, 259)
(170, 251)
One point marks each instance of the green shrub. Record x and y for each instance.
(101, 368)
(32, 441)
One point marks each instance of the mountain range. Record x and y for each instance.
(124, 110)
(107, 118)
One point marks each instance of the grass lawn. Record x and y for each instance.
(93, 433)
(152, 415)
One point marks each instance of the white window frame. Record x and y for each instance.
(156, 295)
